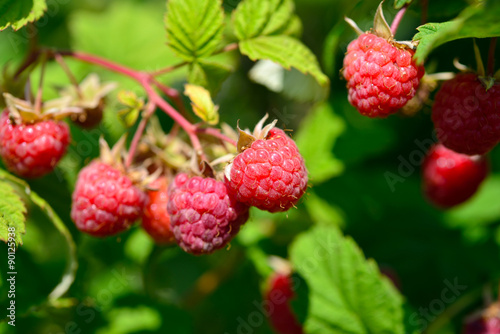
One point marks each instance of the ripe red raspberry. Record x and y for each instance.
(105, 201)
(156, 220)
(381, 75)
(278, 298)
(32, 150)
(270, 174)
(204, 216)
(466, 115)
(450, 178)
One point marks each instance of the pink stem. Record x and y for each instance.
(174, 114)
(145, 80)
(216, 133)
(138, 133)
(397, 19)
(174, 95)
(491, 56)
(139, 76)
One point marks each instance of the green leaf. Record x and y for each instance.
(72, 265)
(286, 51)
(400, 3)
(194, 27)
(12, 214)
(253, 18)
(202, 103)
(322, 212)
(208, 74)
(480, 210)
(18, 13)
(316, 139)
(347, 292)
(475, 21)
(133, 106)
(293, 84)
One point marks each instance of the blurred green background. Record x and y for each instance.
(127, 285)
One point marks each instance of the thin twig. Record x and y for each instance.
(39, 93)
(150, 109)
(68, 72)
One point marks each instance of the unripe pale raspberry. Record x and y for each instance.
(32, 150)
(466, 115)
(204, 216)
(105, 201)
(270, 174)
(450, 178)
(381, 76)
(156, 220)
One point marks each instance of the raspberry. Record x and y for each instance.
(466, 115)
(450, 178)
(270, 174)
(32, 150)
(204, 216)
(156, 220)
(278, 297)
(381, 76)
(105, 201)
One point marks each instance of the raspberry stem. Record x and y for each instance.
(68, 72)
(150, 109)
(39, 93)
(397, 19)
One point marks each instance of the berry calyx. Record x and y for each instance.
(278, 297)
(204, 215)
(156, 220)
(105, 200)
(269, 173)
(451, 178)
(32, 149)
(465, 114)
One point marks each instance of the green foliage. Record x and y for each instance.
(476, 21)
(400, 3)
(286, 51)
(253, 18)
(12, 213)
(18, 13)
(347, 292)
(209, 74)
(194, 27)
(315, 141)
